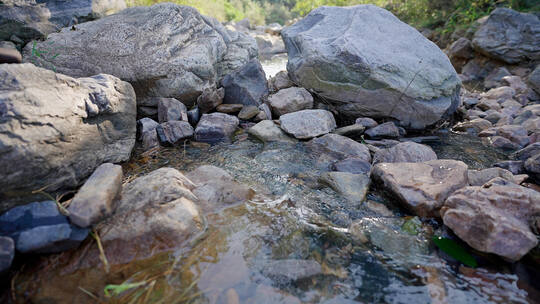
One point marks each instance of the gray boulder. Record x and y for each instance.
(40, 228)
(494, 218)
(170, 109)
(422, 187)
(280, 81)
(188, 52)
(248, 112)
(290, 100)
(534, 79)
(55, 130)
(65, 13)
(366, 122)
(367, 62)
(268, 131)
(172, 132)
(145, 125)
(216, 127)
(210, 99)
(24, 19)
(387, 129)
(352, 165)
(352, 186)
(246, 85)
(97, 198)
(510, 36)
(480, 177)
(406, 152)
(7, 253)
(307, 124)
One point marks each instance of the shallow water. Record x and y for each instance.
(242, 255)
(273, 65)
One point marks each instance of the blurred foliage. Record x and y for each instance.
(442, 15)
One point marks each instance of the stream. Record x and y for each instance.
(292, 244)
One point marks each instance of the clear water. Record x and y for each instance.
(292, 217)
(274, 65)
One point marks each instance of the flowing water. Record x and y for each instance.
(291, 243)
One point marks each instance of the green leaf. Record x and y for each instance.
(454, 250)
(412, 226)
(112, 290)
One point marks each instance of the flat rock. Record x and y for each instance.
(230, 108)
(366, 122)
(362, 60)
(215, 188)
(387, 129)
(55, 130)
(473, 126)
(216, 127)
(406, 152)
(161, 68)
(40, 228)
(422, 187)
(352, 165)
(97, 198)
(7, 253)
(480, 177)
(355, 130)
(494, 218)
(290, 100)
(307, 124)
(268, 131)
(354, 187)
(510, 36)
(172, 132)
(248, 112)
(247, 85)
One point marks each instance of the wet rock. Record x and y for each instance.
(10, 56)
(378, 208)
(509, 36)
(150, 140)
(230, 108)
(494, 218)
(290, 100)
(534, 79)
(387, 129)
(172, 132)
(422, 187)
(268, 131)
(345, 55)
(280, 81)
(26, 20)
(307, 124)
(248, 112)
(352, 186)
(366, 122)
(287, 271)
(246, 86)
(355, 130)
(473, 126)
(40, 228)
(216, 127)
(210, 99)
(406, 152)
(55, 130)
(193, 116)
(159, 69)
(268, 295)
(170, 109)
(145, 125)
(97, 198)
(336, 147)
(215, 188)
(480, 177)
(157, 211)
(7, 253)
(514, 166)
(352, 165)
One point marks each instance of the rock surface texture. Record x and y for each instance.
(510, 36)
(368, 63)
(307, 124)
(188, 52)
(246, 85)
(494, 218)
(422, 187)
(216, 127)
(55, 130)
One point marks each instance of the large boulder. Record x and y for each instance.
(246, 85)
(55, 130)
(65, 13)
(367, 62)
(164, 50)
(422, 187)
(494, 218)
(25, 19)
(510, 36)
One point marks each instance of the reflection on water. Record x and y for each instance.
(275, 64)
(290, 244)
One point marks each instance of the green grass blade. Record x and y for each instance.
(454, 250)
